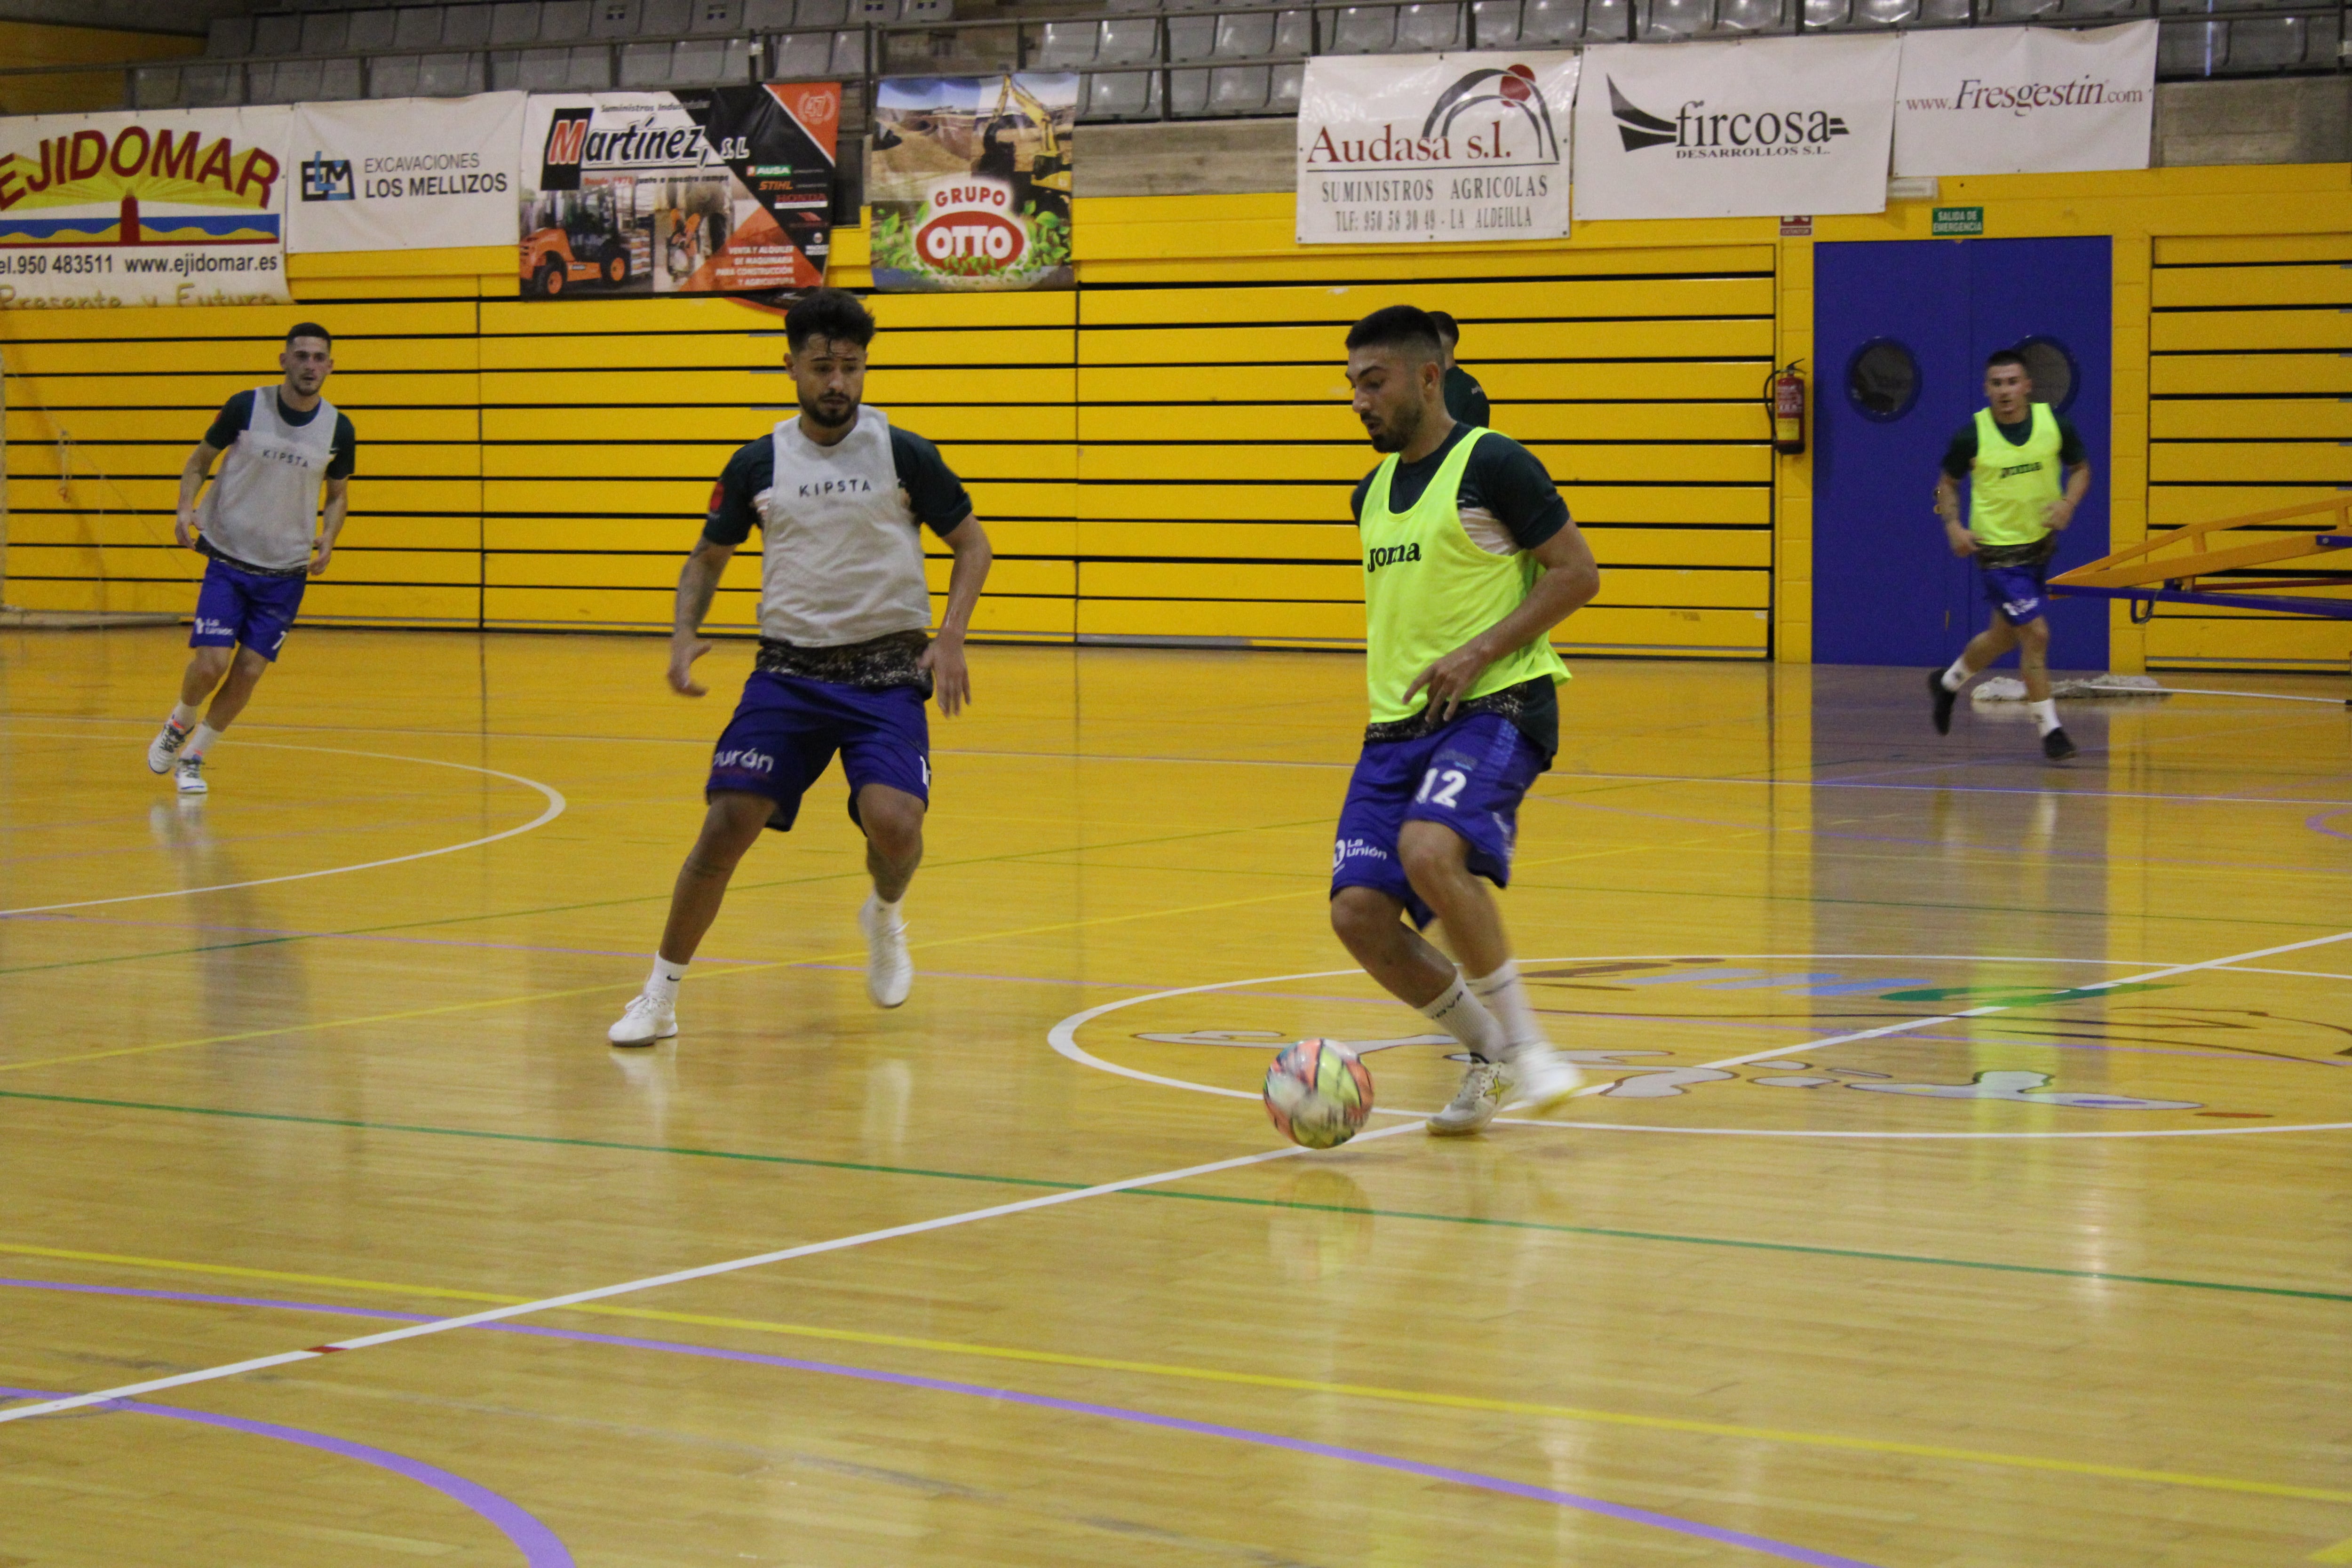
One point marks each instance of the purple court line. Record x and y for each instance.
(540, 1545)
(2317, 823)
(1620, 1511)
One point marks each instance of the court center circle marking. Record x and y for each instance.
(1064, 1038)
(555, 808)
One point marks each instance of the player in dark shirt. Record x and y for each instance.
(934, 492)
(1465, 398)
(236, 417)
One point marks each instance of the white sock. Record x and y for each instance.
(1507, 999)
(1957, 675)
(1464, 1017)
(663, 981)
(204, 736)
(2045, 715)
(183, 715)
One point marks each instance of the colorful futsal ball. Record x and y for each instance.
(1318, 1094)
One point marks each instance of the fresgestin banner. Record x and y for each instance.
(2025, 101)
(1434, 147)
(1752, 128)
(405, 174)
(148, 208)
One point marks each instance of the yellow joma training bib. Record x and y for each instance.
(2012, 486)
(1428, 590)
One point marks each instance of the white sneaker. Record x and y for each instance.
(1474, 1103)
(1542, 1079)
(166, 745)
(191, 771)
(889, 970)
(646, 1020)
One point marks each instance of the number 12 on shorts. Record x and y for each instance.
(1448, 792)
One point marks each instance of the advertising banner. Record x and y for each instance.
(148, 208)
(405, 174)
(2025, 101)
(970, 182)
(1436, 147)
(1752, 128)
(723, 190)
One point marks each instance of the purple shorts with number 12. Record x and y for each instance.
(1469, 776)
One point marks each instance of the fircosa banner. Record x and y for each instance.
(1751, 129)
(2025, 101)
(148, 208)
(723, 190)
(1434, 147)
(406, 173)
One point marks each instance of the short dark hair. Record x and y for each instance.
(833, 313)
(1448, 329)
(1398, 327)
(308, 329)
(2007, 356)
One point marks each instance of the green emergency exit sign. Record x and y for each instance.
(1957, 221)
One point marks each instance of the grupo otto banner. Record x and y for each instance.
(1751, 129)
(1434, 147)
(2025, 101)
(970, 182)
(405, 174)
(150, 207)
(721, 190)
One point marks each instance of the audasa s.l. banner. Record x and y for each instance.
(1434, 147)
(150, 207)
(1750, 128)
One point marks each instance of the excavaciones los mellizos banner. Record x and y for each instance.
(148, 208)
(721, 190)
(1751, 129)
(970, 182)
(405, 174)
(1434, 147)
(2025, 101)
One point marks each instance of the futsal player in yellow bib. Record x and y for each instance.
(1469, 561)
(2013, 454)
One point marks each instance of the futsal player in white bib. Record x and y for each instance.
(259, 525)
(840, 496)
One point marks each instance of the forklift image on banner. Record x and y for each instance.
(574, 237)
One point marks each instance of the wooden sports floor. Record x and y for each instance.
(1890, 1242)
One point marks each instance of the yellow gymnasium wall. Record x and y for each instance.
(1166, 452)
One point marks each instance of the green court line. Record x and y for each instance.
(1538, 1225)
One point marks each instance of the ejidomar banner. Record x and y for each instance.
(2025, 101)
(405, 174)
(1751, 129)
(723, 190)
(1434, 147)
(148, 207)
(970, 182)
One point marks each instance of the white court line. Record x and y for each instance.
(603, 1292)
(555, 806)
(1063, 1037)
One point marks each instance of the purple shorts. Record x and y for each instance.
(786, 730)
(1470, 775)
(249, 607)
(2017, 590)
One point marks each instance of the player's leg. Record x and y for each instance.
(1457, 836)
(1944, 685)
(731, 824)
(1370, 898)
(2034, 662)
(212, 643)
(885, 751)
(245, 673)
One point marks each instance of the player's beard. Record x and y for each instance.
(1391, 436)
(841, 412)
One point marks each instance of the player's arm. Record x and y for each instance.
(967, 542)
(2076, 462)
(1570, 578)
(698, 584)
(339, 507)
(192, 484)
(1959, 458)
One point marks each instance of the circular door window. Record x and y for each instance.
(2051, 370)
(1883, 380)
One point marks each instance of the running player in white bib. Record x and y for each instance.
(840, 496)
(260, 527)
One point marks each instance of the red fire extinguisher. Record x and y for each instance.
(1786, 395)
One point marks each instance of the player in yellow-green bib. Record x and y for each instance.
(2027, 471)
(1469, 560)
